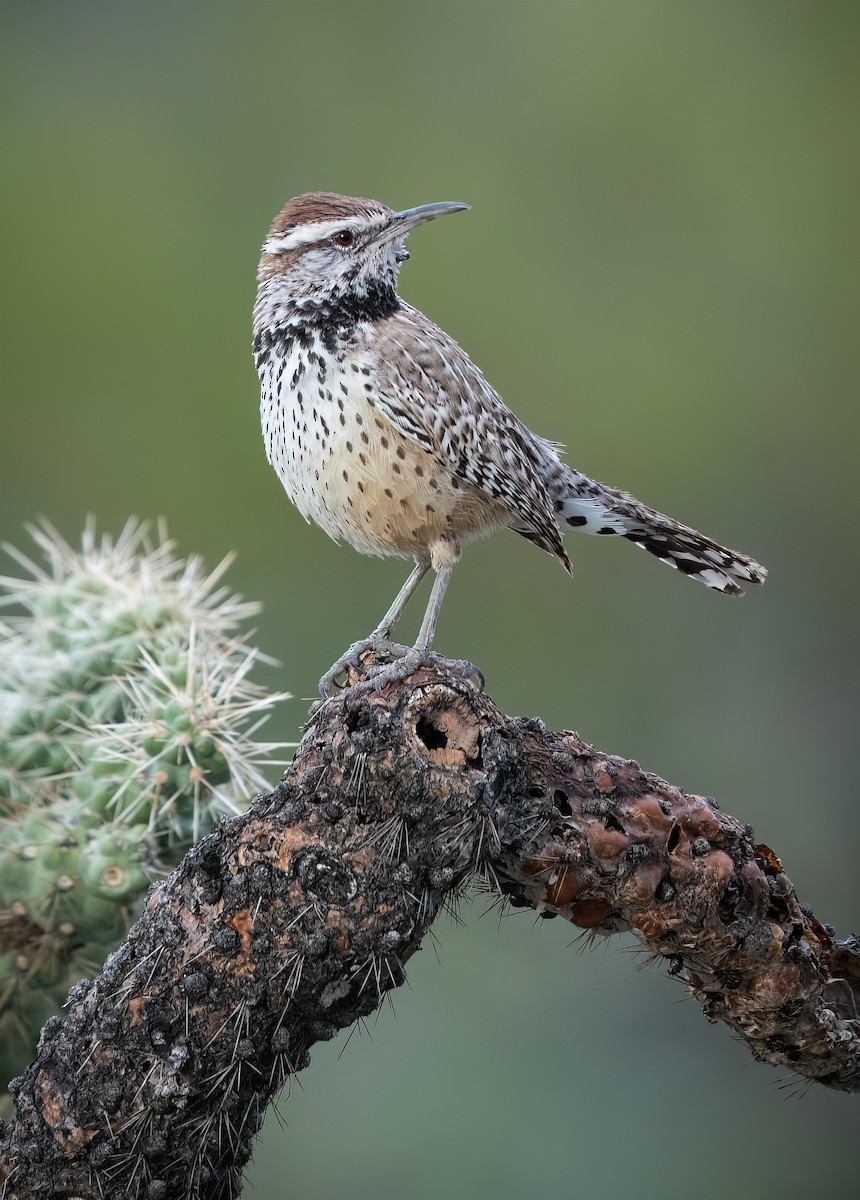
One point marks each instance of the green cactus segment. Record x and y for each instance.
(127, 723)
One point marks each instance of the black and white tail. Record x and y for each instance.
(590, 507)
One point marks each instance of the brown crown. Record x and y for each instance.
(323, 206)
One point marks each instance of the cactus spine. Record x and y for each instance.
(127, 723)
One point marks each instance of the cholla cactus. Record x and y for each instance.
(127, 725)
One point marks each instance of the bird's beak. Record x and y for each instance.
(402, 222)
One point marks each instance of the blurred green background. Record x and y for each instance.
(660, 270)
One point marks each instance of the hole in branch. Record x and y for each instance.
(674, 837)
(432, 737)
(560, 800)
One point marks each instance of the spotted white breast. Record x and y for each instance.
(347, 466)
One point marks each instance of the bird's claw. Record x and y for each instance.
(461, 667)
(337, 676)
(399, 662)
(408, 663)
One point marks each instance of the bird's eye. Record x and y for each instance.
(345, 237)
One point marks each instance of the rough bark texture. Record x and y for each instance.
(292, 921)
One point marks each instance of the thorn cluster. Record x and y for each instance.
(127, 728)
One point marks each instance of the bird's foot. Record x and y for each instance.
(354, 662)
(408, 663)
(391, 663)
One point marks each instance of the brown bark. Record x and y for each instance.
(292, 921)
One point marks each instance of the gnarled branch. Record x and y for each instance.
(291, 922)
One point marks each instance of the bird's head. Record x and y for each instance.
(322, 245)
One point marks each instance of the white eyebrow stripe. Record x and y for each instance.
(311, 231)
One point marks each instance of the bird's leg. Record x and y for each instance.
(379, 639)
(421, 653)
(384, 629)
(434, 604)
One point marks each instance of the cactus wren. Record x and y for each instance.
(384, 432)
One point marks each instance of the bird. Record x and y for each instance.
(385, 433)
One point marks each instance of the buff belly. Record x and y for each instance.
(349, 469)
